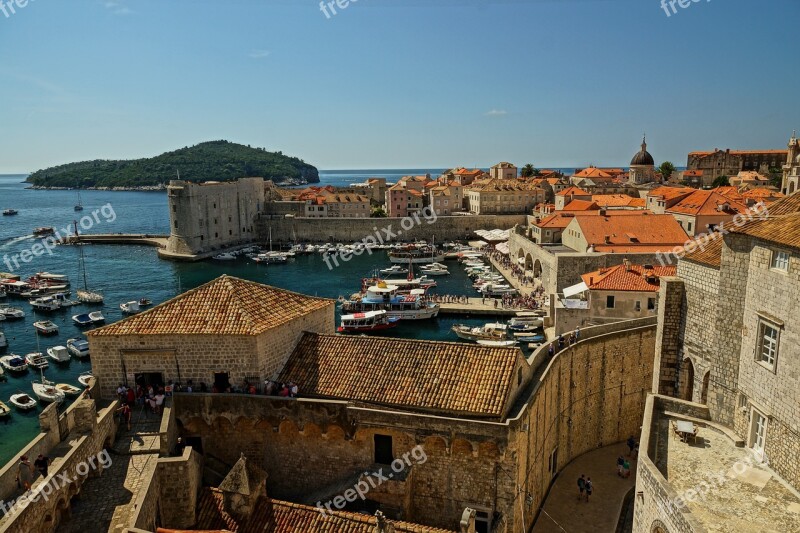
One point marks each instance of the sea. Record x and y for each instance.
(125, 273)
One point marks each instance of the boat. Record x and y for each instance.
(67, 389)
(435, 269)
(144, 302)
(36, 360)
(14, 364)
(47, 392)
(23, 402)
(84, 379)
(130, 308)
(491, 290)
(394, 270)
(60, 278)
(83, 319)
(12, 313)
(525, 322)
(59, 354)
(536, 339)
(3, 341)
(417, 255)
(97, 317)
(3, 292)
(367, 322)
(78, 347)
(44, 232)
(10, 212)
(45, 327)
(384, 297)
(492, 331)
(224, 257)
(85, 295)
(45, 304)
(497, 344)
(4, 410)
(79, 205)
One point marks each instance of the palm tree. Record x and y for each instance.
(528, 171)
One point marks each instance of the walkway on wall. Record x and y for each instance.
(564, 513)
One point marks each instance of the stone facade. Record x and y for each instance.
(731, 162)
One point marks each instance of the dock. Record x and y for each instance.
(475, 307)
(143, 239)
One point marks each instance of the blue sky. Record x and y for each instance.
(397, 83)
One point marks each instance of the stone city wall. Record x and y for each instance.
(179, 483)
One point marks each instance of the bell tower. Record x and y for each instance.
(791, 170)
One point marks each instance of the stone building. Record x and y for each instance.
(503, 171)
(790, 183)
(446, 199)
(643, 167)
(727, 360)
(702, 211)
(213, 215)
(502, 197)
(730, 162)
(407, 196)
(221, 333)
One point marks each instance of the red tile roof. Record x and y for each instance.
(456, 378)
(618, 200)
(592, 173)
(224, 306)
(630, 232)
(707, 203)
(783, 229)
(573, 191)
(670, 193)
(628, 278)
(581, 205)
(707, 251)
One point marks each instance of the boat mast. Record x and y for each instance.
(81, 258)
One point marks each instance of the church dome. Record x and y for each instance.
(643, 158)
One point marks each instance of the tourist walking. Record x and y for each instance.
(581, 486)
(631, 445)
(577, 333)
(589, 488)
(24, 473)
(125, 412)
(41, 463)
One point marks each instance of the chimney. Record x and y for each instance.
(467, 524)
(383, 525)
(602, 212)
(627, 264)
(607, 239)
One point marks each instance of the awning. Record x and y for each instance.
(575, 289)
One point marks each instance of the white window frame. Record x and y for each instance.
(780, 260)
(767, 349)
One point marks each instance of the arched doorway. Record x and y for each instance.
(537, 269)
(688, 384)
(704, 390)
(529, 262)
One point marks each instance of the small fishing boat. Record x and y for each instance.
(36, 360)
(44, 232)
(83, 319)
(69, 390)
(4, 410)
(536, 339)
(367, 322)
(492, 331)
(14, 364)
(144, 302)
(435, 269)
(497, 344)
(224, 257)
(97, 317)
(525, 322)
(79, 205)
(23, 402)
(59, 354)
(130, 308)
(45, 304)
(45, 327)
(78, 347)
(394, 270)
(47, 392)
(84, 379)
(10, 212)
(12, 313)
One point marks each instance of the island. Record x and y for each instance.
(215, 160)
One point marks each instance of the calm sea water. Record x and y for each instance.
(125, 273)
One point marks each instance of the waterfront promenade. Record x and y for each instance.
(477, 306)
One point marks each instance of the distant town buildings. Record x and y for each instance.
(730, 162)
(503, 196)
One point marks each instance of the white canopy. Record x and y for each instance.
(575, 289)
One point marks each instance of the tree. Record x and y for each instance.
(666, 169)
(721, 181)
(529, 171)
(378, 212)
(775, 177)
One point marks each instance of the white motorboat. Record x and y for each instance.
(4, 410)
(59, 354)
(492, 331)
(67, 389)
(3, 341)
(83, 319)
(78, 347)
(89, 297)
(497, 344)
(367, 322)
(224, 257)
(97, 317)
(436, 269)
(525, 322)
(47, 392)
(62, 278)
(45, 303)
(130, 308)
(14, 364)
(84, 379)
(36, 360)
(45, 327)
(394, 270)
(23, 402)
(12, 313)
(491, 290)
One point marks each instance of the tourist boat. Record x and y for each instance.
(4, 410)
(417, 255)
(78, 347)
(44, 232)
(394, 270)
(367, 322)
(145, 302)
(130, 308)
(46, 304)
(12, 313)
(67, 389)
(271, 258)
(47, 392)
(23, 402)
(85, 378)
(525, 322)
(59, 354)
(36, 360)
(83, 319)
(97, 317)
(492, 331)
(224, 257)
(60, 278)
(10, 212)
(497, 344)
(403, 285)
(45, 327)
(384, 297)
(14, 364)
(3, 341)
(435, 269)
(490, 290)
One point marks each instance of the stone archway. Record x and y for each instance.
(529, 262)
(537, 269)
(688, 382)
(704, 389)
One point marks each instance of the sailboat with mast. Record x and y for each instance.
(79, 205)
(85, 295)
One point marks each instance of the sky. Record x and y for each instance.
(396, 83)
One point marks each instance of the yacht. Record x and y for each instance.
(435, 269)
(491, 290)
(45, 327)
(416, 255)
(59, 354)
(10, 212)
(395, 270)
(14, 364)
(130, 308)
(36, 360)
(78, 347)
(45, 303)
(492, 331)
(23, 402)
(384, 297)
(367, 322)
(12, 313)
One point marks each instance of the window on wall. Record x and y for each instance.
(638, 305)
(767, 349)
(651, 304)
(482, 521)
(610, 302)
(780, 260)
(383, 450)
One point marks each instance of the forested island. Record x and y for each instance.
(208, 161)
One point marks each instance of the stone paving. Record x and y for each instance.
(732, 491)
(563, 512)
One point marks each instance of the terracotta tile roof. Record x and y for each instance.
(729, 192)
(618, 200)
(275, 516)
(692, 173)
(581, 205)
(671, 193)
(785, 206)
(707, 203)
(783, 229)
(557, 220)
(708, 253)
(573, 191)
(468, 172)
(763, 194)
(661, 231)
(592, 172)
(224, 306)
(457, 378)
(630, 278)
